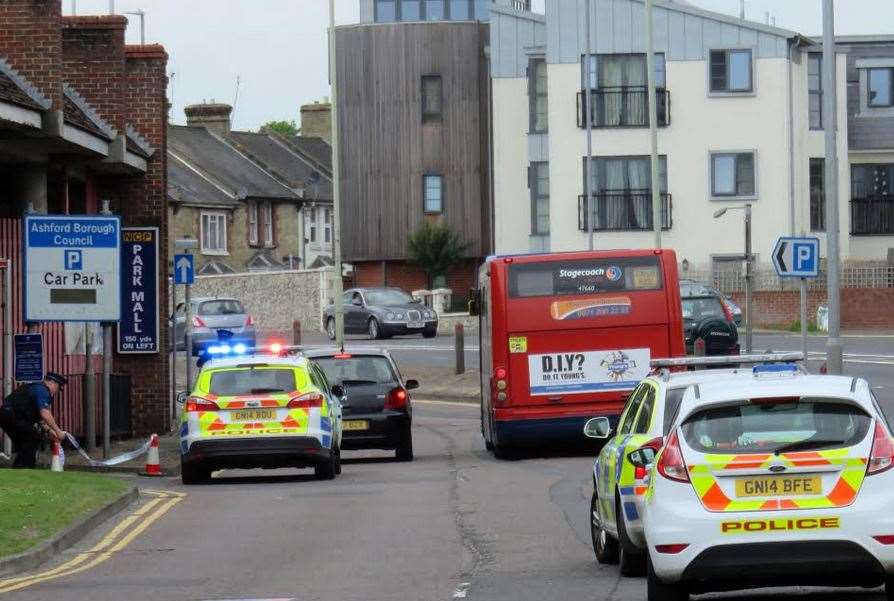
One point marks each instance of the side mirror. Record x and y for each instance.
(642, 457)
(339, 391)
(597, 427)
(411, 384)
(416, 301)
(181, 397)
(474, 302)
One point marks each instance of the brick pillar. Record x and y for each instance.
(31, 42)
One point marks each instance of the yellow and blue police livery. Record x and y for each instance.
(619, 485)
(260, 411)
(781, 479)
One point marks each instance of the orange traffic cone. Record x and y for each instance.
(153, 467)
(56, 463)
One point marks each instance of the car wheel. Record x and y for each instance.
(889, 588)
(329, 468)
(191, 473)
(656, 590)
(404, 451)
(604, 546)
(338, 461)
(430, 333)
(330, 328)
(374, 332)
(631, 562)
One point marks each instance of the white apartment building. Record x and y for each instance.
(740, 115)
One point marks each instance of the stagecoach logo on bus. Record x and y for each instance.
(591, 371)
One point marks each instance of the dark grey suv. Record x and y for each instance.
(382, 313)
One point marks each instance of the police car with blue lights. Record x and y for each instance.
(618, 485)
(259, 408)
(780, 479)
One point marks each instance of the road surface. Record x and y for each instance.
(454, 524)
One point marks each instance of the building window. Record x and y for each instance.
(460, 10)
(621, 190)
(214, 232)
(327, 226)
(433, 194)
(267, 217)
(253, 223)
(482, 10)
(732, 174)
(537, 95)
(539, 185)
(410, 10)
(817, 195)
(872, 199)
(434, 10)
(312, 224)
(386, 11)
(881, 88)
(815, 88)
(618, 95)
(431, 98)
(731, 71)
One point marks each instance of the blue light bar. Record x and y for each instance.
(239, 348)
(775, 368)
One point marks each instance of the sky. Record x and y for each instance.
(277, 49)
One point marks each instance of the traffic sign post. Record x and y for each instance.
(798, 258)
(185, 273)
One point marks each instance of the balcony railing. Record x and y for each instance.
(872, 216)
(817, 211)
(622, 107)
(622, 211)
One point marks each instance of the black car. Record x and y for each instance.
(707, 317)
(377, 411)
(382, 313)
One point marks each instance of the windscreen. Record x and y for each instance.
(357, 370)
(698, 309)
(253, 381)
(221, 307)
(769, 427)
(387, 297)
(585, 276)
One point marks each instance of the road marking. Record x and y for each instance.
(104, 549)
(451, 403)
(462, 590)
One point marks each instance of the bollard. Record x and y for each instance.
(296, 332)
(56, 462)
(699, 347)
(460, 345)
(153, 465)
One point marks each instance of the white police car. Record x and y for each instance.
(780, 480)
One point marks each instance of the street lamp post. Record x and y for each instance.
(749, 269)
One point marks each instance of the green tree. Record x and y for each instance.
(283, 128)
(435, 248)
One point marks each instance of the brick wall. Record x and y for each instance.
(368, 273)
(144, 202)
(93, 63)
(860, 307)
(31, 41)
(402, 274)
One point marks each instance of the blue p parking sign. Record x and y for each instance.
(74, 260)
(796, 257)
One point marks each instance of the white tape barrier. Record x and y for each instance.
(5, 457)
(114, 460)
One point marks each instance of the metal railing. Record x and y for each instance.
(872, 216)
(623, 211)
(626, 106)
(765, 279)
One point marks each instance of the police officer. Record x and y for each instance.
(25, 414)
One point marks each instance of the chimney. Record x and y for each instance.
(216, 117)
(316, 120)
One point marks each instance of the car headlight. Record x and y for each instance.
(399, 315)
(429, 314)
(389, 316)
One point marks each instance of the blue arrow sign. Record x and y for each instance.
(184, 271)
(796, 257)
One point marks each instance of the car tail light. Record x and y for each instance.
(672, 549)
(882, 457)
(197, 403)
(396, 398)
(197, 322)
(670, 462)
(310, 400)
(500, 385)
(275, 348)
(249, 321)
(639, 472)
(885, 539)
(727, 311)
(342, 356)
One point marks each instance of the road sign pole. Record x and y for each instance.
(337, 281)
(804, 317)
(184, 273)
(7, 342)
(188, 306)
(749, 322)
(106, 374)
(90, 389)
(173, 342)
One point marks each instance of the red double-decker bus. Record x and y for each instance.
(565, 337)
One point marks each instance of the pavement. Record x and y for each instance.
(453, 524)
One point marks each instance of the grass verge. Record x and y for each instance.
(36, 504)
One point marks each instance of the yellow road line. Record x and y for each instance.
(97, 553)
(474, 405)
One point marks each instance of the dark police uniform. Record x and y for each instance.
(20, 419)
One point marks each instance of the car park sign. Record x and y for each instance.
(796, 257)
(72, 266)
